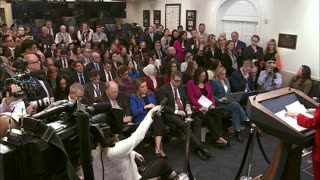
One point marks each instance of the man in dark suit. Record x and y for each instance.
(138, 64)
(191, 41)
(241, 79)
(158, 51)
(95, 63)
(111, 96)
(237, 43)
(63, 62)
(150, 39)
(253, 51)
(107, 74)
(159, 34)
(95, 88)
(79, 75)
(177, 108)
(51, 51)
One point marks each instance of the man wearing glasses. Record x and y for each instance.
(254, 51)
(176, 110)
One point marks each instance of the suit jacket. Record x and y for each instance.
(249, 53)
(75, 78)
(137, 106)
(103, 75)
(241, 45)
(58, 63)
(312, 123)
(218, 89)
(167, 92)
(48, 54)
(121, 100)
(149, 42)
(156, 53)
(89, 92)
(157, 36)
(194, 94)
(238, 82)
(43, 92)
(140, 71)
(190, 42)
(91, 66)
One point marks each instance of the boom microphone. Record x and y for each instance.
(98, 108)
(52, 109)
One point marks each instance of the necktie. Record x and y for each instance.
(97, 90)
(177, 99)
(109, 76)
(81, 79)
(159, 54)
(63, 64)
(97, 67)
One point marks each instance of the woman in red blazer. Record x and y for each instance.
(151, 77)
(212, 119)
(311, 123)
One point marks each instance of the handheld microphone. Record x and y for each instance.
(162, 104)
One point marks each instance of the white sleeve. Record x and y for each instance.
(56, 40)
(4, 107)
(262, 77)
(278, 81)
(124, 147)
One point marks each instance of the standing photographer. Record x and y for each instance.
(270, 79)
(118, 162)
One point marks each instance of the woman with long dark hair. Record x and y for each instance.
(180, 45)
(61, 92)
(302, 81)
(174, 37)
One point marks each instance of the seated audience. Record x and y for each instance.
(270, 79)
(133, 73)
(172, 66)
(229, 59)
(211, 117)
(52, 74)
(241, 79)
(176, 109)
(151, 77)
(255, 75)
(216, 63)
(302, 81)
(111, 96)
(188, 75)
(93, 89)
(140, 103)
(125, 83)
(61, 91)
(221, 88)
(107, 74)
(188, 58)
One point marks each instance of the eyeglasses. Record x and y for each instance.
(177, 81)
(255, 40)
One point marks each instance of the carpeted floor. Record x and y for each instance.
(225, 162)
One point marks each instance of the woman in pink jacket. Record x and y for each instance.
(180, 46)
(210, 116)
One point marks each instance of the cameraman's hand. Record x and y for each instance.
(139, 157)
(30, 110)
(149, 106)
(14, 88)
(154, 109)
(269, 70)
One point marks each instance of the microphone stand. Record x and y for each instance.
(187, 169)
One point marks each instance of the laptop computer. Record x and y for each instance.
(231, 97)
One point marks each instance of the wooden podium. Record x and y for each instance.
(261, 110)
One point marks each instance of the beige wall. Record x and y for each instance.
(8, 12)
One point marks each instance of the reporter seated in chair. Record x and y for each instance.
(111, 95)
(200, 86)
(176, 109)
(140, 103)
(221, 88)
(270, 79)
(118, 162)
(93, 89)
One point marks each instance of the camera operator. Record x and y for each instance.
(118, 162)
(270, 79)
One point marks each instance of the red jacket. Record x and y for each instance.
(312, 123)
(194, 94)
(150, 83)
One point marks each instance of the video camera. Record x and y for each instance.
(21, 77)
(34, 154)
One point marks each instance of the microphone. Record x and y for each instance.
(36, 73)
(162, 104)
